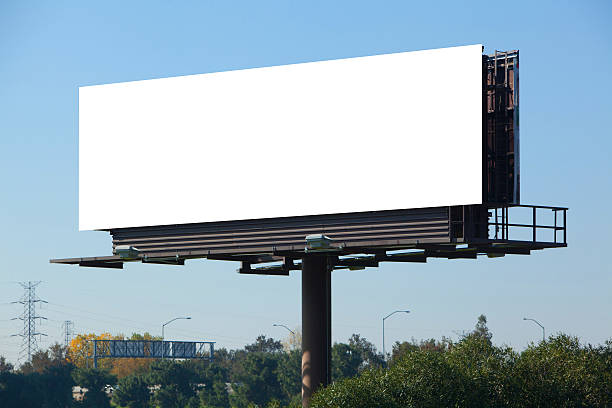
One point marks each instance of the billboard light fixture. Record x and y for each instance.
(318, 243)
(127, 251)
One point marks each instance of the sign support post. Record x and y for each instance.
(316, 325)
(95, 353)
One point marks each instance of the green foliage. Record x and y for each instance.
(481, 329)
(51, 388)
(365, 391)
(57, 385)
(400, 349)
(350, 359)
(474, 373)
(43, 359)
(213, 378)
(5, 366)
(176, 382)
(215, 396)
(290, 374)
(345, 361)
(369, 356)
(264, 345)
(486, 369)
(560, 372)
(132, 392)
(259, 382)
(95, 380)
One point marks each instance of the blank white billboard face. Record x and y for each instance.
(374, 133)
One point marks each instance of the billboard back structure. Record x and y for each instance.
(385, 132)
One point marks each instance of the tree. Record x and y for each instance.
(364, 391)
(400, 349)
(132, 392)
(265, 345)
(346, 361)
(561, 372)
(369, 356)
(5, 366)
(57, 384)
(420, 378)
(80, 351)
(259, 382)
(290, 374)
(40, 361)
(46, 382)
(214, 392)
(487, 368)
(481, 329)
(58, 354)
(17, 391)
(95, 380)
(293, 341)
(43, 359)
(176, 382)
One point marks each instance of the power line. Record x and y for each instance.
(29, 343)
(133, 324)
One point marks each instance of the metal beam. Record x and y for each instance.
(101, 264)
(316, 325)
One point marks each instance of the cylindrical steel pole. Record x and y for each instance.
(384, 355)
(316, 325)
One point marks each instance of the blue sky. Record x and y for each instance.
(48, 49)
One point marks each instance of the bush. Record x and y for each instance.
(474, 373)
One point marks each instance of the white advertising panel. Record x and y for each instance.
(384, 132)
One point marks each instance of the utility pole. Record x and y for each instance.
(68, 327)
(29, 344)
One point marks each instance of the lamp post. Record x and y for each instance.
(383, 330)
(163, 326)
(538, 323)
(282, 325)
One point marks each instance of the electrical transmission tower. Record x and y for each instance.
(29, 344)
(68, 327)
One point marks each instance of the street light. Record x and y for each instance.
(383, 321)
(538, 323)
(163, 337)
(282, 325)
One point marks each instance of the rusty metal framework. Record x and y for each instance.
(457, 232)
(501, 127)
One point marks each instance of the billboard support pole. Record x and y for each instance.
(316, 324)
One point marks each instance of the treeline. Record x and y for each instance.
(471, 372)
(262, 374)
(558, 372)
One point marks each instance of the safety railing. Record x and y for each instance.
(531, 221)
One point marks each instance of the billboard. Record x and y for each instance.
(384, 132)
